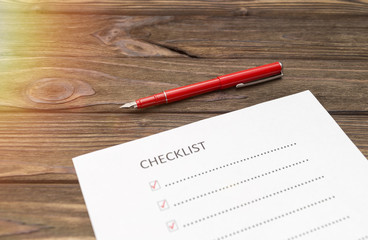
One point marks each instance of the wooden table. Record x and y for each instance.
(65, 68)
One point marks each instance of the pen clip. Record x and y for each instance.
(240, 85)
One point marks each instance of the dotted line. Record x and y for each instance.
(251, 202)
(319, 228)
(240, 182)
(229, 164)
(363, 238)
(275, 218)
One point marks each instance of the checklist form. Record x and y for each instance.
(279, 170)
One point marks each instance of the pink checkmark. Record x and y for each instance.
(154, 185)
(163, 205)
(172, 226)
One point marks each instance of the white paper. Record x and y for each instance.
(278, 170)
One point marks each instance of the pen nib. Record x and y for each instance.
(129, 105)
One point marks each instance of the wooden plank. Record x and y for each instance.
(190, 7)
(265, 37)
(103, 84)
(284, 36)
(45, 211)
(38, 147)
(55, 66)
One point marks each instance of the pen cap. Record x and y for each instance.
(251, 74)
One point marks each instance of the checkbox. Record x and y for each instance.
(163, 205)
(154, 185)
(172, 226)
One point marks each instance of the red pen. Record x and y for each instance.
(239, 79)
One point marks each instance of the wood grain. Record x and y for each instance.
(102, 85)
(78, 35)
(43, 211)
(251, 37)
(38, 147)
(190, 7)
(66, 66)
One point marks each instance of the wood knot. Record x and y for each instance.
(117, 35)
(57, 90)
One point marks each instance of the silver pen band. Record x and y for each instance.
(165, 96)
